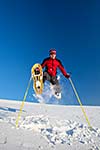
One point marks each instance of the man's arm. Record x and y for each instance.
(60, 66)
(44, 63)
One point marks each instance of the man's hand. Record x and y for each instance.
(67, 76)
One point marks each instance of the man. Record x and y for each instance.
(50, 74)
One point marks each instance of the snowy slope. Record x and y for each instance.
(48, 127)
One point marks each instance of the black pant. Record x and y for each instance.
(53, 80)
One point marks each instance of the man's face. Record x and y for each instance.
(53, 56)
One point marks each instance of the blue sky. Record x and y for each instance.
(29, 28)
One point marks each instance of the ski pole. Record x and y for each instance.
(80, 103)
(22, 105)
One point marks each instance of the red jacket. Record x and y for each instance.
(52, 65)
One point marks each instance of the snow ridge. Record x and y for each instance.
(48, 127)
(58, 131)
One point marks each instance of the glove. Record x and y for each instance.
(67, 76)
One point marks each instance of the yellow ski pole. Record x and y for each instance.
(80, 103)
(22, 105)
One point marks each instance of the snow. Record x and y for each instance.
(48, 127)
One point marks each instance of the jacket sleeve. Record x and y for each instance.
(60, 66)
(44, 63)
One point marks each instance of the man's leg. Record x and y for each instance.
(56, 85)
(46, 76)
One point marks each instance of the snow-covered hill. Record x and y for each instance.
(48, 127)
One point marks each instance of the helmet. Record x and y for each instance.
(52, 51)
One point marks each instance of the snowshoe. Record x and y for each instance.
(37, 75)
